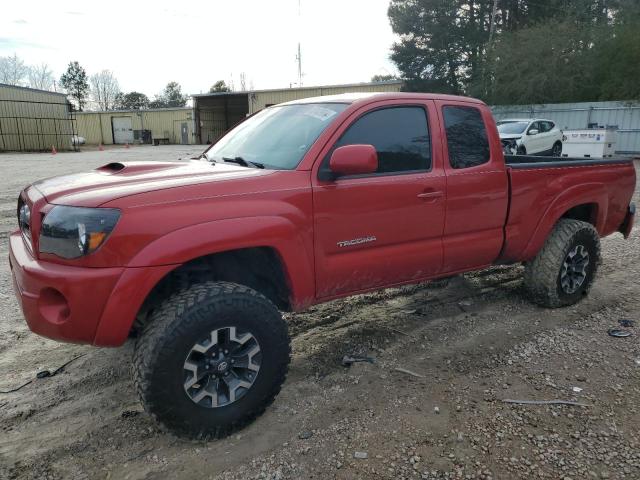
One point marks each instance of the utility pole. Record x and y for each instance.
(299, 55)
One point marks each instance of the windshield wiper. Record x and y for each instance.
(243, 162)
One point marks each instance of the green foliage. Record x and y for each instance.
(383, 78)
(219, 86)
(75, 82)
(617, 72)
(170, 97)
(132, 101)
(524, 51)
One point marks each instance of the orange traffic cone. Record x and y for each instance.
(126, 145)
(53, 150)
(100, 147)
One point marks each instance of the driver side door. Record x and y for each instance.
(386, 227)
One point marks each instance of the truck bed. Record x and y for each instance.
(542, 189)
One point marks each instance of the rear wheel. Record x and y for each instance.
(556, 151)
(211, 359)
(564, 269)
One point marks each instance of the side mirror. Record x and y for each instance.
(533, 131)
(353, 160)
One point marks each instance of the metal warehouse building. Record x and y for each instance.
(163, 125)
(211, 116)
(34, 120)
(215, 113)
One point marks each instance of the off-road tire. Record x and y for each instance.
(542, 275)
(169, 336)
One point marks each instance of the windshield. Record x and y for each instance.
(512, 127)
(277, 137)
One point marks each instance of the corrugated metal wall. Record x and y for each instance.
(569, 116)
(260, 99)
(34, 119)
(96, 127)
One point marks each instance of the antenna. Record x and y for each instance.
(299, 55)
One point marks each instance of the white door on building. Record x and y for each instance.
(122, 130)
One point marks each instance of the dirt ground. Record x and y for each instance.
(473, 341)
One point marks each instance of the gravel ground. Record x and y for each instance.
(471, 343)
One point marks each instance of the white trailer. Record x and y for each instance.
(590, 143)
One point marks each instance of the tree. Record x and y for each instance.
(549, 62)
(219, 86)
(104, 89)
(74, 81)
(13, 70)
(617, 60)
(41, 77)
(516, 50)
(439, 42)
(170, 97)
(383, 78)
(132, 101)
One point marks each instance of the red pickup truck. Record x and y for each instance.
(301, 203)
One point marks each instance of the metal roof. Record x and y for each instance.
(347, 85)
(31, 89)
(133, 110)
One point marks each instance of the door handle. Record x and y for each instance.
(433, 196)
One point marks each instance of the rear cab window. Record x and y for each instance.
(400, 136)
(467, 140)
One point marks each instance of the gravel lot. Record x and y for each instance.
(474, 341)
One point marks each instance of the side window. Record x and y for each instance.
(534, 126)
(549, 126)
(467, 139)
(400, 136)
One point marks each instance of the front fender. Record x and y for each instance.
(293, 244)
(151, 264)
(587, 193)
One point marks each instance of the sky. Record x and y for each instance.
(147, 44)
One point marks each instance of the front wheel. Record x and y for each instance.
(564, 269)
(211, 359)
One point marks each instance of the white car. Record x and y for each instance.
(530, 136)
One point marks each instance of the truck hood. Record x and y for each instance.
(117, 180)
(511, 136)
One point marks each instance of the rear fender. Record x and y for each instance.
(588, 193)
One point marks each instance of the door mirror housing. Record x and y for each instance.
(533, 131)
(353, 160)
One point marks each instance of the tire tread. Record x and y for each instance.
(167, 322)
(541, 274)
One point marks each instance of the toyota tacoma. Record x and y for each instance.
(299, 204)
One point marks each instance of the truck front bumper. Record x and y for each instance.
(79, 304)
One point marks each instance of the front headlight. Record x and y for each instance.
(72, 232)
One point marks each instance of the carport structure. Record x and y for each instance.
(215, 113)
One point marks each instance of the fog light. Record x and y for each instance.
(53, 307)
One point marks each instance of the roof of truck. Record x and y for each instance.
(363, 96)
